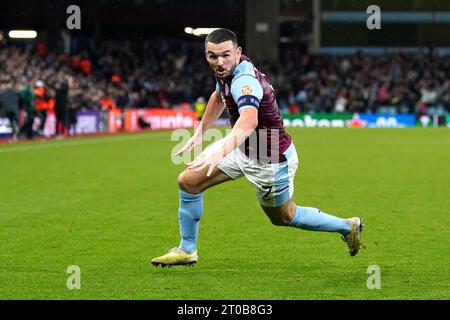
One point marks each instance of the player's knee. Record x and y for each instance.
(278, 221)
(188, 184)
(283, 215)
(281, 221)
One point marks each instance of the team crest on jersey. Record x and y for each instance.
(246, 89)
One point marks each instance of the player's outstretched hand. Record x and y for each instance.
(205, 160)
(190, 144)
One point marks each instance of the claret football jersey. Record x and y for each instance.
(246, 88)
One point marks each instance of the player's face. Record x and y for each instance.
(223, 58)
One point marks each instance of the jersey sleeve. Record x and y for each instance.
(247, 92)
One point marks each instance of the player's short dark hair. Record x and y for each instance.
(222, 35)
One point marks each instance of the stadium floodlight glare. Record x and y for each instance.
(199, 31)
(189, 30)
(22, 34)
(203, 31)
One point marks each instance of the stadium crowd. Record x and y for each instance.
(161, 73)
(394, 83)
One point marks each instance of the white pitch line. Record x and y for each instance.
(85, 141)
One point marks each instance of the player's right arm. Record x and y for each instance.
(213, 110)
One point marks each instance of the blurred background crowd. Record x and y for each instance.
(120, 71)
(167, 74)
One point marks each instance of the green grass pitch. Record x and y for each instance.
(109, 204)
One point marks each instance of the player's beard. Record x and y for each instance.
(225, 75)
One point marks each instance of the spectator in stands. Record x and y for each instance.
(41, 102)
(61, 97)
(28, 99)
(9, 98)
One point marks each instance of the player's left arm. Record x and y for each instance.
(247, 93)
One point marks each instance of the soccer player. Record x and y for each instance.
(253, 110)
